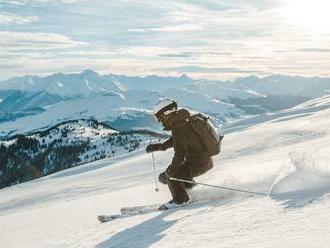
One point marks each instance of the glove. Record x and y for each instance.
(163, 177)
(154, 147)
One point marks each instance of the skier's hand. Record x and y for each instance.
(154, 147)
(163, 177)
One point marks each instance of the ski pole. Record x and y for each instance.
(154, 170)
(216, 186)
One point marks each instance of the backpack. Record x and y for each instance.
(207, 134)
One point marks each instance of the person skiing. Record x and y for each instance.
(190, 156)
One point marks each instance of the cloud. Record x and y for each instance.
(187, 69)
(314, 50)
(208, 38)
(37, 2)
(172, 28)
(9, 18)
(178, 28)
(137, 30)
(212, 5)
(7, 65)
(38, 41)
(43, 66)
(176, 55)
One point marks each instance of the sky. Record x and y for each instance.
(213, 39)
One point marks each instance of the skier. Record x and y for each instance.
(190, 156)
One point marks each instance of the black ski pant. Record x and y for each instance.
(187, 171)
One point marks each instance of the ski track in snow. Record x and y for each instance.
(287, 155)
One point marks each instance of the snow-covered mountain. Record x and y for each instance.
(63, 146)
(126, 107)
(86, 83)
(89, 83)
(31, 102)
(285, 85)
(104, 108)
(113, 109)
(285, 154)
(15, 104)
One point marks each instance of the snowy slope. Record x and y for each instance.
(287, 154)
(111, 106)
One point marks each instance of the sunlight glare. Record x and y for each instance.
(313, 15)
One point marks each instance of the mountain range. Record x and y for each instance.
(30, 103)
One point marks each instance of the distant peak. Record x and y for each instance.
(184, 76)
(58, 74)
(249, 78)
(88, 72)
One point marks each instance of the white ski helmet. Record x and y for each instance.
(165, 107)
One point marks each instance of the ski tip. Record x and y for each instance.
(101, 218)
(107, 218)
(162, 208)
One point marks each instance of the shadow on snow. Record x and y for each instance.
(142, 235)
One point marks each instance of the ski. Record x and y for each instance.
(128, 212)
(138, 210)
(107, 218)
